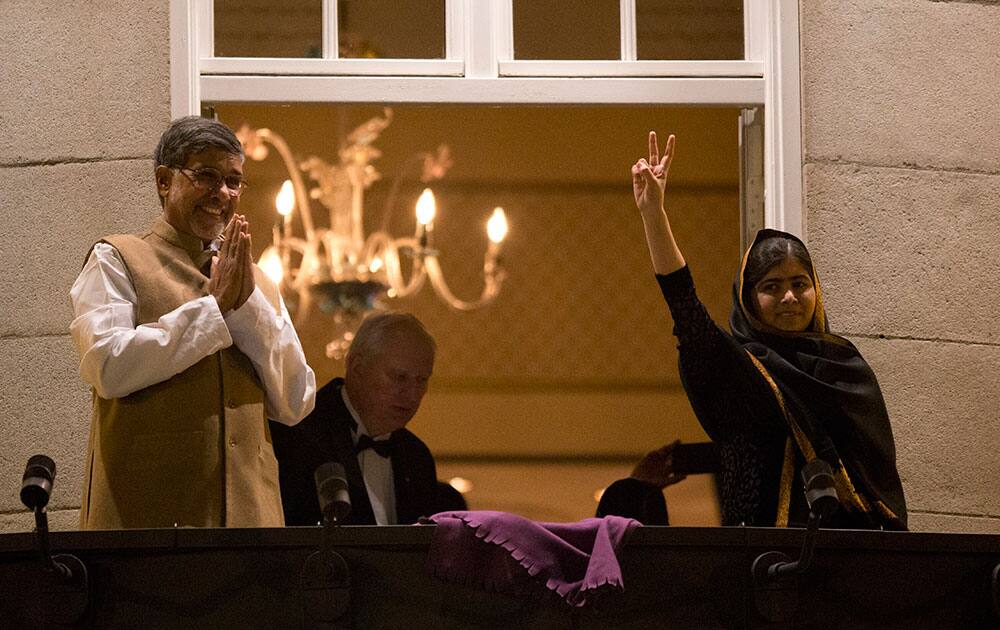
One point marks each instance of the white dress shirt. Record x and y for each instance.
(377, 471)
(118, 358)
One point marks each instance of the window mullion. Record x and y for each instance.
(782, 121)
(751, 132)
(205, 27)
(331, 30)
(755, 32)
(482, 36)
(503, 29)
(454, 29)
(185, 57)
(628, 30)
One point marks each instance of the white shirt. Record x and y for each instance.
(118, 358)
(377, 471)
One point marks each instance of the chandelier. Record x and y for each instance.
(332, 265)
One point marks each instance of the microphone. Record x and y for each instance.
(331, 490)
(821, 493)
(36, 487)
(36, 484)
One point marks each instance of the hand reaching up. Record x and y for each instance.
(649, 181)
(649, 177)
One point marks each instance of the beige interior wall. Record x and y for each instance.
(84, 87)
(562, 384)
(902, 179)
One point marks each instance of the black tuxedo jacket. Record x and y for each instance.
(325, 436)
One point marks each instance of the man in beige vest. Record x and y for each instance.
(189, 350)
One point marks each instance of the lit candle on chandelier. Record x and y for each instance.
(496, 229)
(426, 209)
(285, 203)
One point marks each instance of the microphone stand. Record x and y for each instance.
(774, 565)
(60, 569)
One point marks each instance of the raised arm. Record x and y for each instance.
(649, 182)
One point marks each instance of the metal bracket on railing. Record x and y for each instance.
(326, 588)
(775, 596)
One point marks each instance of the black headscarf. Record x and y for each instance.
(832, 403)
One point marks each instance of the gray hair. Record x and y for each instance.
(373, 336)
(191, 134)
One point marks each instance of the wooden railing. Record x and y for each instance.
(687, 578)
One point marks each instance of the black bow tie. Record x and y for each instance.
(382, 447)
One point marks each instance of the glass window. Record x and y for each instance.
(257, 28)
(689, 29)
(554, 29)
(391, 29)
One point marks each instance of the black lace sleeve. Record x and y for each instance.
(726, 392)
(636, 499)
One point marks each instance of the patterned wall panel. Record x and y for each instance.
(580, 307)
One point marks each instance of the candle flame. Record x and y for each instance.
(496, 227)
(285, 200)
(426, 207)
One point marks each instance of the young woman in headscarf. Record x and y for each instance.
(780, 390)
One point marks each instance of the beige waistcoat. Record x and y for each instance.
(195, 449)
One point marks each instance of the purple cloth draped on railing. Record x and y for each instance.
(503, 552)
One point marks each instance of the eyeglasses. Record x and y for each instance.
(210, 179)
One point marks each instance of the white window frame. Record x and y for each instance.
(479, 68)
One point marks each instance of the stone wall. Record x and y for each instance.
(902, 180)
(84, 88)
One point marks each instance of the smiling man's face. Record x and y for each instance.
(194, 210)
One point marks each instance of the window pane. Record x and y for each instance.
(391, 29)
(260, 28)
(556, 29)
(689, 29)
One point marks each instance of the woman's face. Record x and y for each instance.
(785, 297)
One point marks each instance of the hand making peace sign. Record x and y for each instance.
(649, 178)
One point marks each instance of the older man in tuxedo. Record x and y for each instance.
(360, 422)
